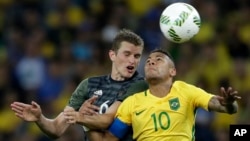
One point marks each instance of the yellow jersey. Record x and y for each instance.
(170, 118)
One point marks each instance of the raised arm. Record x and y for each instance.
(53, 128)
(226, 102)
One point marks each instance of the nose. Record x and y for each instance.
(151, 62)
(132, 59)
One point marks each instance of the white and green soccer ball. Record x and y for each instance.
(179, 22)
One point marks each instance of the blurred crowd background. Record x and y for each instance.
(48, 46)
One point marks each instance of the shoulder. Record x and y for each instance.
(137, 95)
(137, 76)
(140, 83)
(138, 86)
(135, 99)
(135, 87)
(189, 89)
(185, 89)
(98, 78)
(83, 82)
(182, 84)
(92, 80)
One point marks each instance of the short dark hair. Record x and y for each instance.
(164, 51)
(129, 36)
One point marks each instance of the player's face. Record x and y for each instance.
(159, 66)
(125, 61)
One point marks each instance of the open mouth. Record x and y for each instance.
(130, 68)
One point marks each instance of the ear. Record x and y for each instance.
(172, 72)
(112, 55)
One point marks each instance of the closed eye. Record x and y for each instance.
(126, 53)
(159, 59)
(148, 61)
(137, 56)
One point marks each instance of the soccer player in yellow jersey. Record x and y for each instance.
(166, 111)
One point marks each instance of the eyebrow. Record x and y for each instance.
(159, 55)
(130, 52)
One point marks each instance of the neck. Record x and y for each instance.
(117, 78)
(115, 75)
(160, 89)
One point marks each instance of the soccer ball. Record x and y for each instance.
(179, 22)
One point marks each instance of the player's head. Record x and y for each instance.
(126, 35)
(159, 66)
(125, 54)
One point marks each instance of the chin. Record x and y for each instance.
(151, 75)
(152, 80)
(149, 78)
(128, 75)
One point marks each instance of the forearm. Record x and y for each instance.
(215, 105)
(98, 121)
(53, 128)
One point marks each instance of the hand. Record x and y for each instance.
(70, 115)
(88, 108)
(228, 96)
(27, 112)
